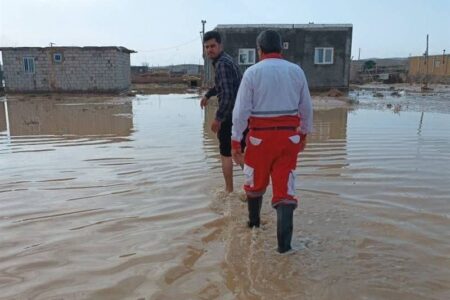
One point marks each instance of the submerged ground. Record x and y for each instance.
(120, 198)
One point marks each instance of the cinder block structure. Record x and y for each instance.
(66, 69)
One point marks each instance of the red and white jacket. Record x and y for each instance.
(273, 92)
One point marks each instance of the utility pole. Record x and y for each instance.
(444, 62)
(203, 27)
(203, 34)
(205, 63)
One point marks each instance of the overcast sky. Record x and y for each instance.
(168, 32)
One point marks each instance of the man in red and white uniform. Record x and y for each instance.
(274, 101)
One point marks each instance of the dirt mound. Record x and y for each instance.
(335, 93)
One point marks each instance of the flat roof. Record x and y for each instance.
(287, 26)
(118, 48)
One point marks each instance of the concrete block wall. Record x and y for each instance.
(90, 69)
(122, 70)
(302, 41)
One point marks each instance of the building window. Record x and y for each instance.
(57, 57)
(28, 65)
(323, 56)
(437, 63)
(247, 56)
(285, 45)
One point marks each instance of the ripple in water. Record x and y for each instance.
(120, 198)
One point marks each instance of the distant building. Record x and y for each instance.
(138, 70)
(186, 69)
(388, 70)
(437, 67)
(66, 69)
(188, 74)
(179, 70)
(323, 51)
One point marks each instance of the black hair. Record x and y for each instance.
(269, 41)
(212, 35)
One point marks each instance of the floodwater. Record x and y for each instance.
(120, 198)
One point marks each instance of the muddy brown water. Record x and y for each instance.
(120, 198)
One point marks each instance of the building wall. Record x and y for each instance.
(81, 70)
(122, 71)
(438, 65)
(301, 50)
(336, 75)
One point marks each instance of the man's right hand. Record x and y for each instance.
(203, 102)
(238, 157)
(302, 142)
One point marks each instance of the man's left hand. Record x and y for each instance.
(215, 126)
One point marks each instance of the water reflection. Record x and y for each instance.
(73, 116)
(102, 208)
(330, 133)
(210, 141)
(326, 154)
(330, 125)
(3, 124)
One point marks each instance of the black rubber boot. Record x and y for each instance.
(254, 211)
(284, 227)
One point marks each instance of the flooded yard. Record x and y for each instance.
(120, 198)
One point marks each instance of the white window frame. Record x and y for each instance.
(60, 57)
(28, 65)
(247, 60)
(323, 61)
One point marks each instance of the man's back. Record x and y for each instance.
(273, 87)
(277, 84)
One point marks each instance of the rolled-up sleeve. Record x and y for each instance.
(211, 92)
